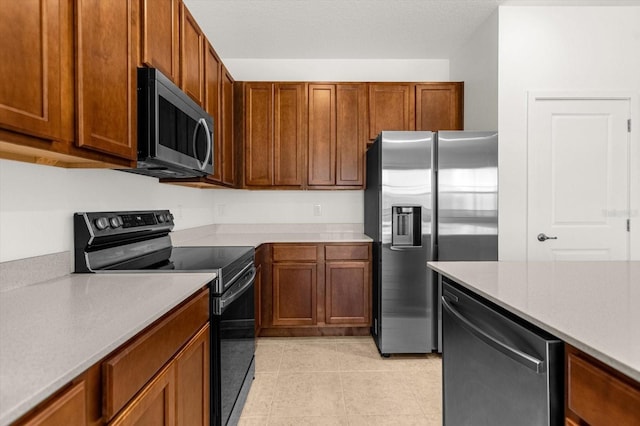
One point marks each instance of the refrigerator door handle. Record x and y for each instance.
(525, 359)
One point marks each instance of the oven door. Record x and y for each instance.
(232, 347)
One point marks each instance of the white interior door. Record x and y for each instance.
(578, 178)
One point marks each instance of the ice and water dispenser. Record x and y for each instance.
(406, 226)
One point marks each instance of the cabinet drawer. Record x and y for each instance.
(290, 252)
(347, 252)
(598, 397)
(125, 373)
(67, 409)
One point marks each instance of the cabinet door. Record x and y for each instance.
(34, 36)
(439, 106)
(391, 107)
(348, 293)
(290, 105)
(191, 56)
(192, 381)
(258, 134)
(66, 409)
(213, 82)
(228, 142)
(351, 133)
(160, 48)
(106, 61)
(322, 135)
(294, 294)
(154, 405)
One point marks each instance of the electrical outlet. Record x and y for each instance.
(317, 210)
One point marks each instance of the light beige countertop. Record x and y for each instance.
(594, 306)
(256, 234)
(51, 332)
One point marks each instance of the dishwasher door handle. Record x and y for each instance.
(527, 360)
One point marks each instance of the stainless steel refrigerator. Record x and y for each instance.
(429, 196)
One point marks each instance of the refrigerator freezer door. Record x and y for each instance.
(406, 292)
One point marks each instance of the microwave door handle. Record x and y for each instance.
(203, 123)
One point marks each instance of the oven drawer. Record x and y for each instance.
(126, 372)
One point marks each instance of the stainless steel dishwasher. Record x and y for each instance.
(497, 369)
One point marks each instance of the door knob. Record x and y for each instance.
(543, 237)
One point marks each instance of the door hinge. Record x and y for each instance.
(628, 225)
(629, 125)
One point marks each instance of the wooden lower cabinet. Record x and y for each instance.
(597, 395)
(294, 293)
(155, 405)
(348, 293)
(315, 289)
(192, 381)
(68, 409)
(159, 377)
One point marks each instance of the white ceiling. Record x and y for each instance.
(339, 29)
(348, 29)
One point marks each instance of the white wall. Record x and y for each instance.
(476, 63)
(243, 206)
(37, 204)
(559, 48)
(338, 69)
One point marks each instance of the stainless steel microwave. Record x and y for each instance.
(175, 135)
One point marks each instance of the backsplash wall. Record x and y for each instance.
(37, 204)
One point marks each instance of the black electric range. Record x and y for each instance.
(139, 241)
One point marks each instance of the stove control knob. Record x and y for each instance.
(169, 217)
(102, 223)
(161, 218)
(114, 222)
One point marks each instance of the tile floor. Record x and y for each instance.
(341, 381)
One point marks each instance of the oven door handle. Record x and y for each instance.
(229, 297)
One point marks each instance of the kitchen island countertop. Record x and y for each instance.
(593, 306)
(53, 331)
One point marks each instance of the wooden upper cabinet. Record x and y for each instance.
(159, 21)
(391, 107)
(351, 134)
(35, 71)
(213, 82)
(192, 43)
(106, 78)
(322, 134)
(337, 134)
(289, 111)
(274, 133)
(258, 150)
(439, 106)
(228, 165)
